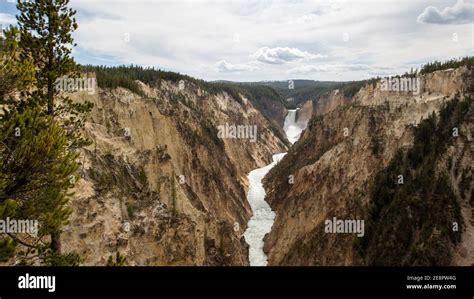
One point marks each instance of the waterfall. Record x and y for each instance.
(292, 130)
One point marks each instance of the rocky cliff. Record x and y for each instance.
(158, 185)
(304, 114)
(330, 172)
(329, 101)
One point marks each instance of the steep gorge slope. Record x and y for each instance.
(304, 114)
(330, 101)
(266, 100)
(335, 162)
(158, 185)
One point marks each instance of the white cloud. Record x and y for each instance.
(336, 68)
(226, 67)
(460, 13)
(190, 36)
(7, 19)
(308, 69)
(282, 55)
(304, 19)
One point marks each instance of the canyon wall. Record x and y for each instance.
(329, 101)
(158, 185)
(304, 114)
(330, 171)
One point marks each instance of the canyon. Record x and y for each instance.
(158, 185)
(164, 181)
(348, 142)
(262, 220)
(170, 193)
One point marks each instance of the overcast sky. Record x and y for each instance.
(254, 40)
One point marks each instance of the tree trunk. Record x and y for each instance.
(56, 242)
(49, 68)
(50, 98)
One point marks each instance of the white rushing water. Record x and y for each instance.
(262, 220)
(292, 130)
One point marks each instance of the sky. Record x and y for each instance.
(259, 40)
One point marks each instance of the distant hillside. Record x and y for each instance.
(264, 98)
(297, 92)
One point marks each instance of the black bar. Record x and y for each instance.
(241, 282)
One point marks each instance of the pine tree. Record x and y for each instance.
(15, 74)
(45, 31)
(45, 36)
(45, 28)
(36, 171)
(38, 134)
(119, 260)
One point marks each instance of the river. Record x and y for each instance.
(262, 219)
